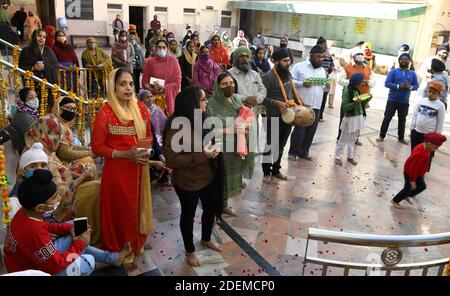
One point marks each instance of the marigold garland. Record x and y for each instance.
(6, 207)
(44, 98)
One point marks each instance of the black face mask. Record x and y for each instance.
(67, 115)
(283, 45)
(228, 91)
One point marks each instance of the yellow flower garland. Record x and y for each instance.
(6, 207)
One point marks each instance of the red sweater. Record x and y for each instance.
(417, 163)
(28, 245)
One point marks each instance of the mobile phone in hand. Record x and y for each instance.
(80, 225)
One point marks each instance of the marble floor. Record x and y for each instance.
(274, 219)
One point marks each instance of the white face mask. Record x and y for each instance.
(259, 35)
(34, 103)
(359, 58)
(162, 53)
(93, 46)
(55, 206)
(124, 38)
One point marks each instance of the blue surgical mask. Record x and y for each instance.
(34, 104)
(29, 174)
(162, 53)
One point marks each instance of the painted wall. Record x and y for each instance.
(175, 15)
(385, 35)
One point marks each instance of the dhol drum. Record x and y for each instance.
(300, 116)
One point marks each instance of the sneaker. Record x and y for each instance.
(403, 141)
(380, 139)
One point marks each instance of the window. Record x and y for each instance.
(189, 10)
(160, 9)
(210, 7)
(226, 19)
(115, 6)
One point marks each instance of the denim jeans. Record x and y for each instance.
(85, 263)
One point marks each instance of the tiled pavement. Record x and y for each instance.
(275, 219)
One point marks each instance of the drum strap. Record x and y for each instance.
(299, 102)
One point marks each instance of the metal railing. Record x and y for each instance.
(390, 257)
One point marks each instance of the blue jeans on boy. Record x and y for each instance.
(85, 263)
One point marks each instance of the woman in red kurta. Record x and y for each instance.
(218, 52)
(163, 66)
(125, 197)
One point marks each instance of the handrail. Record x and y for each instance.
(378, 240)
(12, 46)
(39, 80)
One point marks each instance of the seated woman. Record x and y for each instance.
(78, 159)
(27, 112)
(100, 65)
(47, 130)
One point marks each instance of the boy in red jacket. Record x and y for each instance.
(415, 168)
(29, 245)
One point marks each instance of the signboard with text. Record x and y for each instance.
(360, 26)
(295, 22)
(79, 9)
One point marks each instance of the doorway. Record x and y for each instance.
(46, 12)
(136, 16)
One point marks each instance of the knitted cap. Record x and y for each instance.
(435, 138)
(36, 189)
(35, 154)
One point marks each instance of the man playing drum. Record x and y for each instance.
(312, 95)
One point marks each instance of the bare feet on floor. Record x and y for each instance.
(307, 157)
(338, 162)
(126, 250)
(129, 267)
(229, 211)
(192, 259)
(281, 177)
(148, 246)
(212, 245)
(408, 200)
(267, 180)
(396, 205)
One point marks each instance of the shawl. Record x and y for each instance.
(190, 58)
(47, 130)
(177, 52)
(223, 109)
(68, 136)
(118, 50)
(65, 53)
(205, 73)
(263, 65)
(102, 58)
(134, 114)
(219, 54)
(21, 106)
(168, 70)
(50, 40)
(227, 42)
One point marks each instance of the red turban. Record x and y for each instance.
(435, 138)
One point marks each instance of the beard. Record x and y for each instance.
(283, 72)
(243, 67)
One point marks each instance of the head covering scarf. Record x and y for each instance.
(65, 53)
(143, 94)
(67, 134)
(205, 73)
(218, 54)
(50, 40)
(100, 57)
(221, 108)
(119, 48)
(23, 107)
(134, 114)
(190, 58)
(47, 130)
(227, 42)
(177, 52)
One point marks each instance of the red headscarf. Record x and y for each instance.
(50, 40)
(219, 54)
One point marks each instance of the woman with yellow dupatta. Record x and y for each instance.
(100, 65)
(122, 126)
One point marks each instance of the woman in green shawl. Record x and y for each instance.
(225, 106)
(226, 42)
